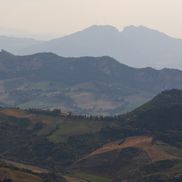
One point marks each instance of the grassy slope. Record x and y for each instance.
(57, 127)
(53, 140)
(71, 128)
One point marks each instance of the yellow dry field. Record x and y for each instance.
(32, 168)
(144, 142)
(18, 176)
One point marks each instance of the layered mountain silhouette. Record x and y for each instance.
(16, 45)
(134, 46)
(89, 85)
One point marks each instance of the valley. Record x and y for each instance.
(90, 91)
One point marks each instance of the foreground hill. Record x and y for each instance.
(135, 159)
(161, 116)
(153, 156)
(143, 145)
(89, 85)
(134, 46)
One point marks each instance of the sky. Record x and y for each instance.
(53, 18)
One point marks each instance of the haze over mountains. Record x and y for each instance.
(39, 145)
(16, 44)
(87, 85)
(90, 91)
(134, 46)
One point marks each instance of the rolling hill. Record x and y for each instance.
(133, 159)
(86, 85)
(143, 145)
(154, 155)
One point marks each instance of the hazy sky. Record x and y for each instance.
(60, 17)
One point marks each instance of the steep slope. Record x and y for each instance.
(89, 85)
(161, 116)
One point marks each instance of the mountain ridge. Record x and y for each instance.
(90, 85)
(136, 46)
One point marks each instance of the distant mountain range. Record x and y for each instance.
(87, 85)
(134, 46)
(16, 44)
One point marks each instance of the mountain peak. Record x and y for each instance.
(133, 28)
(103, 28)
(143, 31)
